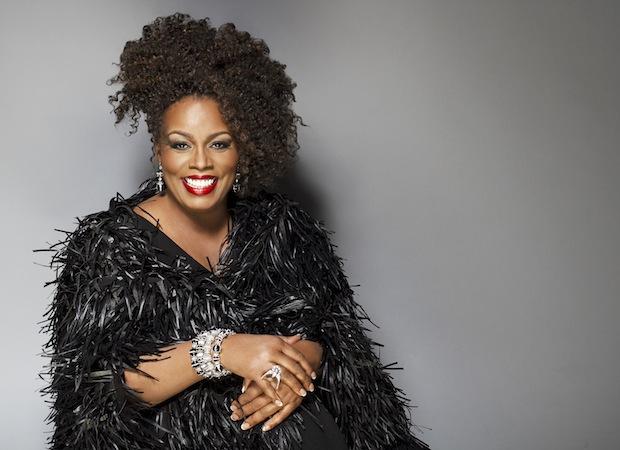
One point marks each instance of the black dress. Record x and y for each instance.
(321, 431)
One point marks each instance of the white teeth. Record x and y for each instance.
(200, 184)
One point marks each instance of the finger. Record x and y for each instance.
(256, 404)
(301, 359)
(294, 375)
(259, 416)
(291, 339)
(236, 406)
(286, 394)
(245, 384)
(250, 408)
(250, 394)
(280, 415)
(269, 390)
(292, 383)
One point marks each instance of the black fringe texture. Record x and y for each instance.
(116, 301)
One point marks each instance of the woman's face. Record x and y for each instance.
(197, 153)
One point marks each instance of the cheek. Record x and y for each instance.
(172, 162)
(230, 161)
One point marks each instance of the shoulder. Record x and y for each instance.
(281, 222)
(98, 235)
(280, 206)
(281, 212)
(298, 244)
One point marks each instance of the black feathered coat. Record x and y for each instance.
(115, 300)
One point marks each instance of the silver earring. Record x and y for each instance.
(160, 179)
(237, 184)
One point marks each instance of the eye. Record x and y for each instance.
(177, 145)
(220, 145)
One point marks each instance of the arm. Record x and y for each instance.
(93, 338)
(168, 376)
(174, 373)
(356, 387)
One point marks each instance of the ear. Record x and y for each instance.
(156, 151)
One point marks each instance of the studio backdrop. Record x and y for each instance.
(465, 154)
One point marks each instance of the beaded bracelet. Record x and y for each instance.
(205, 352)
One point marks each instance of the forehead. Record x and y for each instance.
(193, 114)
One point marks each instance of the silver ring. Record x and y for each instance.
(274, 373)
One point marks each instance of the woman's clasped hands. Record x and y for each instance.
(251, 356)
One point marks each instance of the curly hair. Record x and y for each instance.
(178, 56)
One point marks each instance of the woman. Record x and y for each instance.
(204, 311)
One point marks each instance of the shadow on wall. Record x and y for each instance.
(301, 189)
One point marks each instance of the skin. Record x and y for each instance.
(195, 140)
(255, 406)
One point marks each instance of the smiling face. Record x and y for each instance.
(198, 155)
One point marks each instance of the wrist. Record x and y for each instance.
(227, 350)
(205, 352)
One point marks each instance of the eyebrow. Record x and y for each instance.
(189, 136)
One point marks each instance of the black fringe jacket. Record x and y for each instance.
(114, 301)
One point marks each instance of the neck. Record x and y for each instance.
(211, 222)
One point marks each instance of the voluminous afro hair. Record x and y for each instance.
(178, 56)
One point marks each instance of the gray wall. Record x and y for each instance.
(464, 152)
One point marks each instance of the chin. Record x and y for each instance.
(204, 202)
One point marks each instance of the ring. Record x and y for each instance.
(274, 373)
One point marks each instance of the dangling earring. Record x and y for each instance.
(237, 184)
(160, 178)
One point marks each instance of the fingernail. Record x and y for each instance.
(265, 428)
(302, 392)
(279, 403)
(234, 417)
(311, 387)
(313, 375)
(243, 389)
(245, 426)
(233, 407)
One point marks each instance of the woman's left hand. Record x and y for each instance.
(256, 406)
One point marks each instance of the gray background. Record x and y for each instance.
(464, 152)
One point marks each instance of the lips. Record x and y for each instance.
(200, 184)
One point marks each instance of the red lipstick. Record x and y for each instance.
(200, 184)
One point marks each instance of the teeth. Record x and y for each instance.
(193, 182)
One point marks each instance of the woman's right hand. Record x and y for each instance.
(251, 355)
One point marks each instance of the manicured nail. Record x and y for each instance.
(311, 387)
(279, 403)
(302, 392)
(233, 407)
(265, 428)
(245, 426)
(234, 417)
(313, 375)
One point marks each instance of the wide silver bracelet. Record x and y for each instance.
(205, 352)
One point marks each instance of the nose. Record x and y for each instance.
(201, 158)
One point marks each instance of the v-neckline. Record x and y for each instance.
(181, 250)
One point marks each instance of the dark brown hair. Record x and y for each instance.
(178, 56)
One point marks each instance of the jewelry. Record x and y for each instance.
(205, 353)
(274, 373)
(237, 185)
(160, 178)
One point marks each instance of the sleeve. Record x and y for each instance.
(353, 384)
(95, 333)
